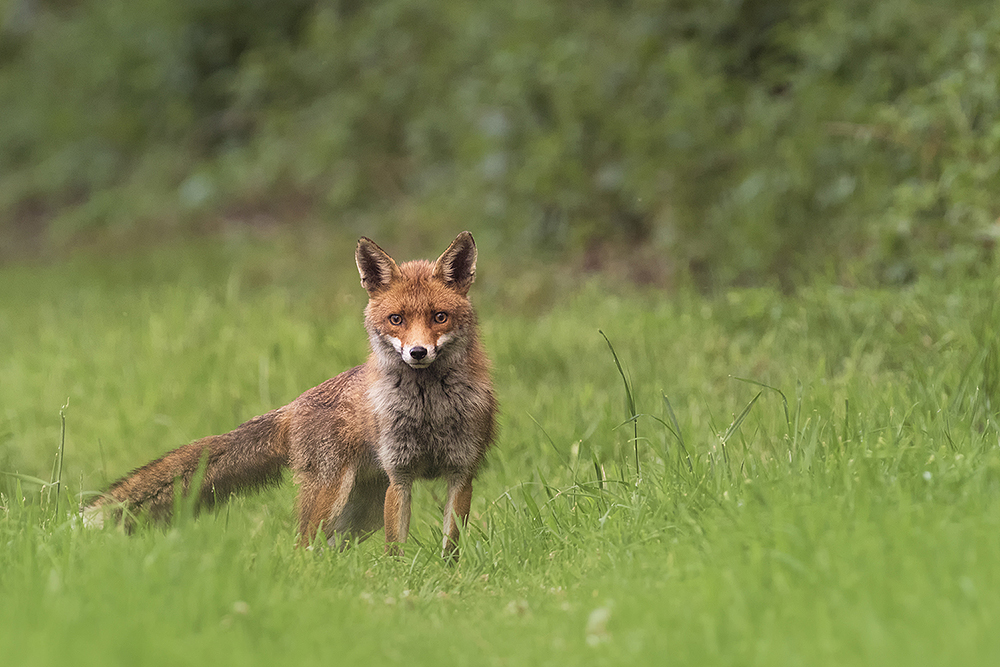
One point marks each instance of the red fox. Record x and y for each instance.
(422, 406)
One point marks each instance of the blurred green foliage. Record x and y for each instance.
(741, 141)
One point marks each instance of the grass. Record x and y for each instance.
(820, 473)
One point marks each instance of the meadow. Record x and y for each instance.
(742, 478)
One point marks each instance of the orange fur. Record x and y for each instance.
(422, 406)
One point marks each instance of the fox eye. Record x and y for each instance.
(440, 317)
(395, 319)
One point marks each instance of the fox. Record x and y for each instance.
(422, 406)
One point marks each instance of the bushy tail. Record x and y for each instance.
(250, 457)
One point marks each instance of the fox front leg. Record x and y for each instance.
(456, 512)
(397, 515)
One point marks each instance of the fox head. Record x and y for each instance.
(418, 312)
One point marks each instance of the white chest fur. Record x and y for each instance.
(430, 425)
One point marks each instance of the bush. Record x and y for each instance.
(745, 141)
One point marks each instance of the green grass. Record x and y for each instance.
(820, 473)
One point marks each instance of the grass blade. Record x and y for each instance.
(27, 478)
(62, 451)
(598, 471)
(677, 432)
(631, 404)
(736, 425)
(784, 399)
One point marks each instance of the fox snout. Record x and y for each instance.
(416, 349)
(418, 355)
(423, 350)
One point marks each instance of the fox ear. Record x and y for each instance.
(456, 267)
(377, 269)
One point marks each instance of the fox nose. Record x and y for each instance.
(418, 352)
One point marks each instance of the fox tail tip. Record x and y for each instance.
(92, 516)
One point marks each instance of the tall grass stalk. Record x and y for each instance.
(62, 453)
(630, 402)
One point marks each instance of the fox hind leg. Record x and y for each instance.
(322, 502)
(362, 515)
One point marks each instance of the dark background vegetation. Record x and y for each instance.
(716, 141)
